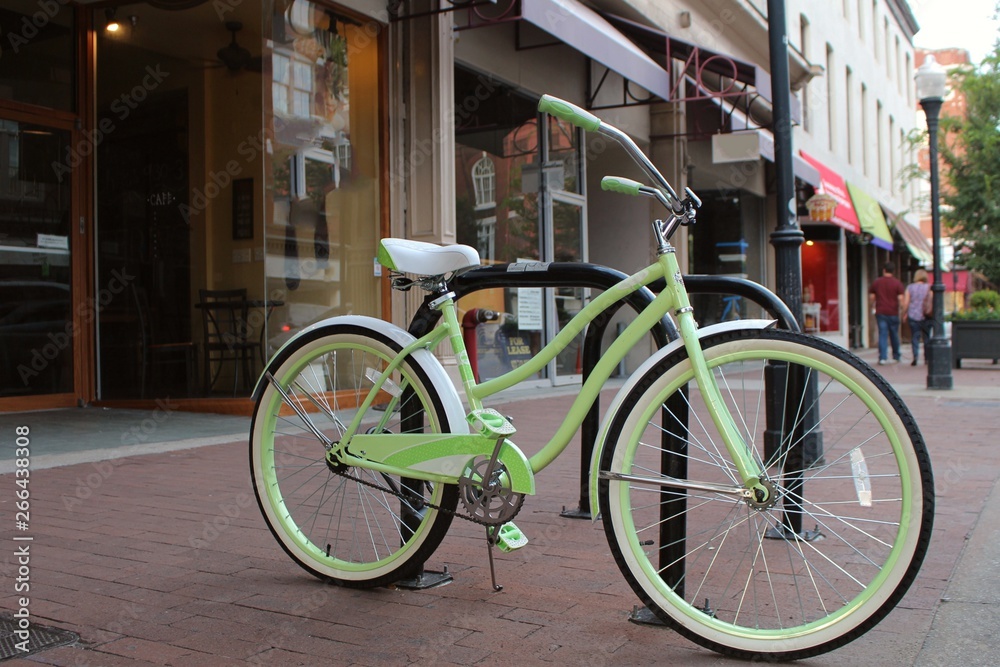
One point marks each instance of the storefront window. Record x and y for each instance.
(179, 144)
(820, 286)
(37, 65)
(323, 197)
(727, 241)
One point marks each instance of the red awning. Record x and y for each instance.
(953, 281)
(833, 184)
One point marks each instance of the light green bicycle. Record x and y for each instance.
(362, 453)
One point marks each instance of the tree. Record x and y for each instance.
(970, 149)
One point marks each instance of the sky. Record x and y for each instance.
(966, 24)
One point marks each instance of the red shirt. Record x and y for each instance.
(887, 291)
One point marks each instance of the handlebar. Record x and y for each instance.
(625, 186)
(573, 114)
(569, 112)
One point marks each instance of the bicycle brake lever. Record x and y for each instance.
(691, 204)
(692, 198)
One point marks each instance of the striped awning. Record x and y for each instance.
(917, 244)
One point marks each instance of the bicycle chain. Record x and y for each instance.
(421, 499)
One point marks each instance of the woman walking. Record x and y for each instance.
(913, 312)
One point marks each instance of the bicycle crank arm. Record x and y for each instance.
(673, 481)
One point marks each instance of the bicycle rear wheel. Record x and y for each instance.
(346, 525)
(853, 483)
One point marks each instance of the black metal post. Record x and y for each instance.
(939, 347)
(787, 238)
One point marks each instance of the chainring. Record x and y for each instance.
(493, 503)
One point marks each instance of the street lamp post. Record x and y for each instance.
(931, 80)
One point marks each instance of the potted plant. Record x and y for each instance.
(975, 332)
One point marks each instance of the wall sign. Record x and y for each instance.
(242, 209)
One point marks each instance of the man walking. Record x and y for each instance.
(886, 297)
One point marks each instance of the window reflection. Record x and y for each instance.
(324, 196)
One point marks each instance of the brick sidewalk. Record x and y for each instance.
(164, 559)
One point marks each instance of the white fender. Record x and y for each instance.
(436, 374)
(634, 379)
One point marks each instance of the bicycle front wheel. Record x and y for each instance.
(351, 526)
(853, 497)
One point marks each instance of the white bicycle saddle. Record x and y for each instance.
(425, 259)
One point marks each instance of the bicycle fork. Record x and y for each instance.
(756, 489)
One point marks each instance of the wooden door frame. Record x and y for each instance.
(81, 225)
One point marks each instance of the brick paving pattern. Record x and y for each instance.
(164, 559)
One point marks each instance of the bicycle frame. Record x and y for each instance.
(673, 298)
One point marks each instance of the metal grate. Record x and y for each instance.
(39, 638)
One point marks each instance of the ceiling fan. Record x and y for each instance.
(236, 57)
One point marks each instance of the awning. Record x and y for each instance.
(914, 240)
(586, 31)
(954, 281)
(833, 184)
(871, 218)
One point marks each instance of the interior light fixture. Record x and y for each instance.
(113, 24)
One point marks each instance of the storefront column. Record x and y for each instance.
(430, 138)
(423, 181)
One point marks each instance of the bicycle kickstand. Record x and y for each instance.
(491, 541)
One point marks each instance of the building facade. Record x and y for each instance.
(262, 147)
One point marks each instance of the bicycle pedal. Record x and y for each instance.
(490, 423)
(510, 538)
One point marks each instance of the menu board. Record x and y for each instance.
(242, 209)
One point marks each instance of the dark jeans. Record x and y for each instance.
(920, 329)
(888, 331)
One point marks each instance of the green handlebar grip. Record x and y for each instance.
(569, 112)
(626, 186)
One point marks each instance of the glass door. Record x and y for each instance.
(37, 333)
(44, 329)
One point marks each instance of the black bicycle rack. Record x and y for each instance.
(580, 275)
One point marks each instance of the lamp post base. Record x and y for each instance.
(939, 363)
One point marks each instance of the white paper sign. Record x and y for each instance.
(53, 241)
(529, 308)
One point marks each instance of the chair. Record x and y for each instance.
(154, 353)
(227, 336)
